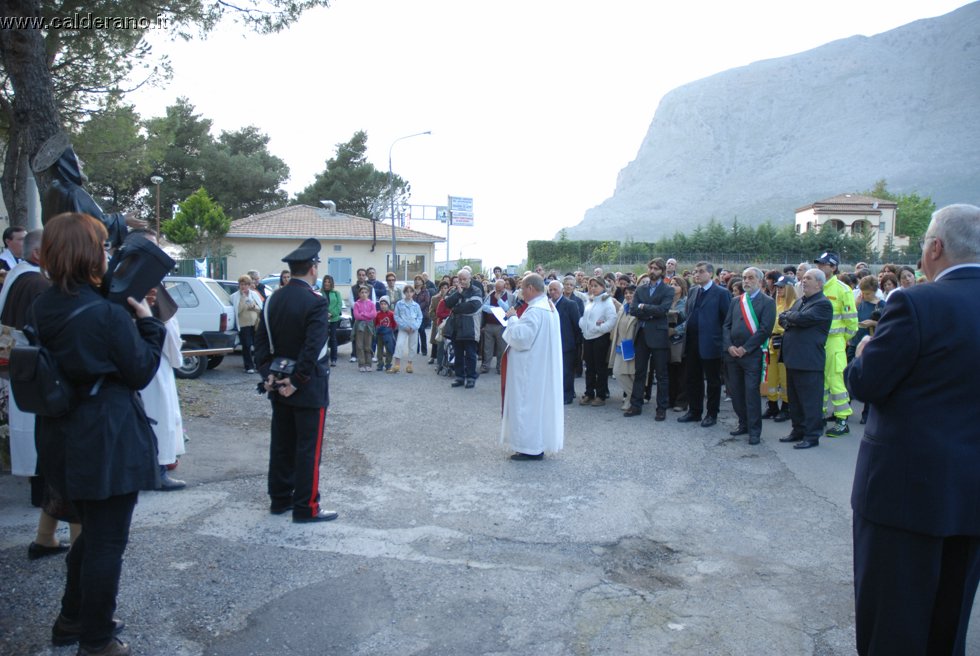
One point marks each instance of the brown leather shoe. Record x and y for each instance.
(67, 632)
(114, 647)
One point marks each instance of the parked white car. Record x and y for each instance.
(205, 316)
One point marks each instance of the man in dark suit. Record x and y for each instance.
(916, 495)
(747, 326)
(571, 337)
(650, 306)
(707, 307)
(294, 326)
(806, 326)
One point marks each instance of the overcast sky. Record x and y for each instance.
(534, 105)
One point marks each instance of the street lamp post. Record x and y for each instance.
(391, 192)
(156, 179)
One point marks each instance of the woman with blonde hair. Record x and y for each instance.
(774, 384)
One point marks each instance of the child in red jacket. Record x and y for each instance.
(384, 326)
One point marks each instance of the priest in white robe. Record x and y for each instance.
(533, 417)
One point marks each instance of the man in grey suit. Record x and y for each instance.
(806, 325)
(747, 326)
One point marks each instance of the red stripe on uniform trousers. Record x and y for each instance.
(314, 506)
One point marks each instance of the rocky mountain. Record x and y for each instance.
(757, 142)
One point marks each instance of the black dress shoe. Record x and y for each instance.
(792, 437)
(569, 401)
(280, 508)
(754, 439)
(68, 632)
(527, 456)
(633, 412)
(687, 417)
(322, 516)
(457, 383)
(35, 550)
(470, 384)
(739, 430)
(661, 415)
(807, 444)
(709, 421)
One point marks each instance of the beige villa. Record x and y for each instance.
(349, 243)
(853, 214)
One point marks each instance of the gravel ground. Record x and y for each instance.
(638, 538)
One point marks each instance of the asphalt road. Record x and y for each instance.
(638, 538)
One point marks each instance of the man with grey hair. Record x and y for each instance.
(533, 420)
(916, 484)
(806, 326)
(465, 302)
(747, 326)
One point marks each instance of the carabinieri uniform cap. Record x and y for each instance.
(308, 251)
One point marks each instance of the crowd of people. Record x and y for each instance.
(694, 336)
(800, 339)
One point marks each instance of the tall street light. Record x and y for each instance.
(156, 179)
(391, 191)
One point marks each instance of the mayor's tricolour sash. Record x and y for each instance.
(748, 314)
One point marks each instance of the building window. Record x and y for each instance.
(337, 248)
(797, 228)
(881, 225)
(409, 265)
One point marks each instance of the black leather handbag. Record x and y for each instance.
(36, 381)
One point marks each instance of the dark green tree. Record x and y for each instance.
(243, 175)
(179, 145)
(114, 152)
(354, 184)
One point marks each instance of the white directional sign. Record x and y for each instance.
(462, 210)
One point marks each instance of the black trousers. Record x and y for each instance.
(644, 356)
(246, 335)
(913, 592)
(568, 373)
(744, 377)
(465, 365)
(699, 372)
(805, 392)
(294, 457)
(95, 564)
(596, 352)
(677, 371)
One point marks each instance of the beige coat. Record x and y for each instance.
(625, 328)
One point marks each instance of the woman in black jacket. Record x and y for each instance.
(103, 451)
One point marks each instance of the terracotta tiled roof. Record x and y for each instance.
(305, 221)
(849, 204)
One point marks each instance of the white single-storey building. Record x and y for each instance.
(853, 214)
(348, 243)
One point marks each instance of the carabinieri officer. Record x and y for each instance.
(294, 327)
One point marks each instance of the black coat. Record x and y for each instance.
(806, 325)
(298, 318)
(467, 307)
(104, 446)
(568, 317)
(917, 467)
(653, 315)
